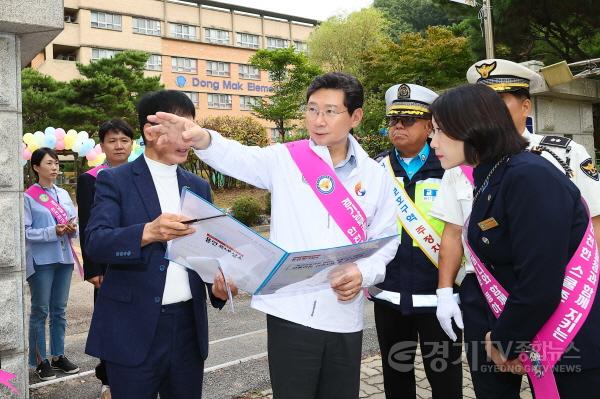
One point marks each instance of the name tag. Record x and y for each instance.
(487, 224)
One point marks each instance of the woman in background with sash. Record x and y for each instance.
(531, 300)
(49, 226)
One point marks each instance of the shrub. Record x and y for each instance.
(247, 210)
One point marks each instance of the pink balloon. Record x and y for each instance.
(91, 155)
(59, 134)
(98, 149)
(60, 145)
(26, 154)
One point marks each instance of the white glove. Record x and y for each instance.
(447, 308)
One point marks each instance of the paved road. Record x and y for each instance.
(236, 363)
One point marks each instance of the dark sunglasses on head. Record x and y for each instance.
(407, 121)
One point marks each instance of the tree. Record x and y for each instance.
(346, 43)
(411, 15)
(291, 73)
(109, 88)
(41, 97)
(546, 30)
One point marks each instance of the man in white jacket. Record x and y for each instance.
(314, 338)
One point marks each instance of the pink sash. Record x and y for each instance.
(468, 172)
(321, 178)
(60, 215)
(578, 293)
(5, 378)
(94, 171)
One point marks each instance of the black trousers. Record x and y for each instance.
(488, 381)
(398, 336)
(100, 367)
(174, 366)
(305, 363)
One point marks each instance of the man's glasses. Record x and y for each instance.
(407, 121)
(313, 112)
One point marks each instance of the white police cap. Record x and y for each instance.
(407, 99)
(503, 75)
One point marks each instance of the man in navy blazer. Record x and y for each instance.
(150, 322)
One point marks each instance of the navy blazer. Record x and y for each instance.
(129, 301)
(541, 221)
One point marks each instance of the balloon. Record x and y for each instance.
(49, 130)
(72, 133)
(98, 161)
(83, 135)
(91, 155)
(26, 154)
(23, 162)
(39, 138)
(59, 133)
(98, 148)
(69, 141)
(28, 138)
(49, 141)
(32, 147)
(60, 145)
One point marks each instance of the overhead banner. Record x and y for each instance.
(471, 3)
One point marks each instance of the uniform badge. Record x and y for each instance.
(325, 184)
(359, 190)
(484, 70)
(429, 194)
(487, 224)
(589, 169)
(44, 198)
(404, 91)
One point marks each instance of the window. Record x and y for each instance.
(249, 72)
(247, 102)
(300, 46)
(187, 65)
(154, 63)
(192, 95)
(100, 53)
(216, 36)
(273, 43)
(215, 68)
(104, 20)
(220, 101)
(146, 26)
(247, 40)
(183, 31)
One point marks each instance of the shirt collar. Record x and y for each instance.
(350, 157)
(160, 169)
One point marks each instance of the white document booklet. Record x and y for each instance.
(221, 244)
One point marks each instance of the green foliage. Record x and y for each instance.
(268, 203)
(109, 88)
(42, 99)
(347, 43)
(548, 31)
(411, 15)
(247, 210)
(244, 129)
(291, 73)
(374, 143)
(436, 59)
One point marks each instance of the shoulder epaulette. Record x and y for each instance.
(555, 141)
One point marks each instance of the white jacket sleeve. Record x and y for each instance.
(250, 164)
(383, 224)
(587, 183)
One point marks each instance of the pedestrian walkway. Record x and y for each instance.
(371, 384)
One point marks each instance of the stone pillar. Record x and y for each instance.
(25, 29)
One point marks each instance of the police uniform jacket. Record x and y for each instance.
(540, 223)
(411, 273)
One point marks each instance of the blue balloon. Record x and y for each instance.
(49, 130)
(50, 141)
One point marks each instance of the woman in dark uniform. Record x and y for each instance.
(527, 222)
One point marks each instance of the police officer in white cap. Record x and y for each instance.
(405, 302)
(513, 83)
